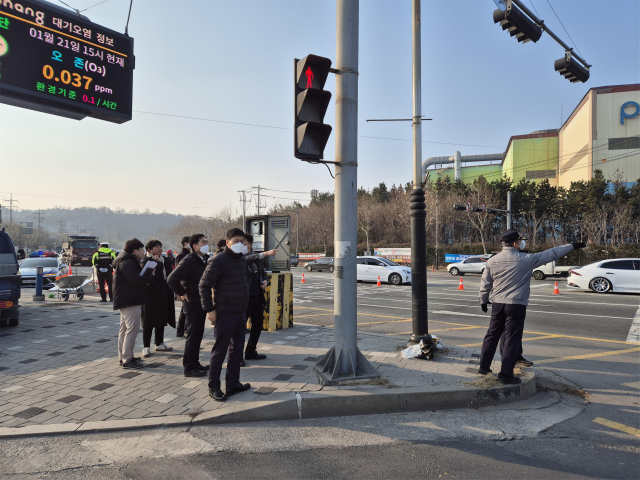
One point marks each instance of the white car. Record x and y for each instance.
(470, 265)
(370, 268)
(616, 275)
(51, 267)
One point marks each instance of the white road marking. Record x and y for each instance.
(77, 367)
(18, 347)
(46, 377)
(634, 331)
(11, 389)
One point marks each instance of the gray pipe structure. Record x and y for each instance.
(457, 160)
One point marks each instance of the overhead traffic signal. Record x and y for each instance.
(517, 23)
(459, 207)
(570, 69)
(311, 102)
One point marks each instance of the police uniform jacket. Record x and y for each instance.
(104, 258)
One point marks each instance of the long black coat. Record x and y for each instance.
(159, 309)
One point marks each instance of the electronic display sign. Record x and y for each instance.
(51, 56)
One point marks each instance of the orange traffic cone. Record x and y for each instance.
(303, 280)
(555, 290)
(379, 284)
(461, 287)
(70, 270)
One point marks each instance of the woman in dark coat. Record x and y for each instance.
(159, 309)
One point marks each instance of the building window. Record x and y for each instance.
(624, 143)
(534, 174)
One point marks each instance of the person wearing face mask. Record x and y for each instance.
(507, 279)
(226, 273)
(180, 330)
(184, 282)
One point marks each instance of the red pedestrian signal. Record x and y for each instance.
(311, 103)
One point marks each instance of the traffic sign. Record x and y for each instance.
(57, 61)
(468, 205)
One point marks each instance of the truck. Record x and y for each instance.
(552, 270)
(9, 282)
(79, 249)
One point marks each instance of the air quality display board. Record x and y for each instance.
(51, 56)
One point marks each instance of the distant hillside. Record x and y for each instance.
(110, 225)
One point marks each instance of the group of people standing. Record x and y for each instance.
(226, 288)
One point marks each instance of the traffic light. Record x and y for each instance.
(517, 23)
(311, 102)
(571, 69)
(459, 207)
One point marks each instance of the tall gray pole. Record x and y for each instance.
(417, 213)
(509, 211)
(344, 361)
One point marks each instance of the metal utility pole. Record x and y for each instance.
(509, 211)
(11, 208)
(437, 231)
(258, 199)
(243, 199)
(344, 361)
(39, 217)
(419, 323)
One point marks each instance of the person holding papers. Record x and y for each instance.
(158, 310)
(128, 296)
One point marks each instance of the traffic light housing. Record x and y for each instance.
(311, 102)
(459, 207)
(517, 23)
(570, 69)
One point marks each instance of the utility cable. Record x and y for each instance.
(284, 191)
(89, 8)
(534, 8)
(74, 9)
(554, 12)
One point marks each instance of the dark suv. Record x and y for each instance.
(324, 263)
(9, 282)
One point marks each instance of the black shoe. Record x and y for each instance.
(131, 363)
(103, 300)
(483, 371)
(523, 362)
(242, 387)
(512, 380)
(195, 373)
(120, 362)
(179, 334)
(204, 368)
(218, 395)
(136, 359)
(254, 356)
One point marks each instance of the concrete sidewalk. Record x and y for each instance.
(59, 373)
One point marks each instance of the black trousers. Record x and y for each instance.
(229, 331)
(509, 319)
(102, 279)
(502, 339)
(146, 335)
(255, 311)
(195, 318)
(180, 328)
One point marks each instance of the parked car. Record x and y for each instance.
(294, 260)
(552, 270)
(370, 268)
(616, 275)
(324, 263)
(36, 254)
(473, 264)
(9, 282)
(49, 254)
(52, 267)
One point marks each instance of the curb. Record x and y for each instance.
(331, 403)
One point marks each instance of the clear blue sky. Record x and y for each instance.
(232, 61)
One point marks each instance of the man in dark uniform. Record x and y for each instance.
(507, 278)
(180, 330)
(184, 282)
(102, 262)
(255, 310)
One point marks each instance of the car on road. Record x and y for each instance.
(614, 275)
(552, 270)
(372, 268)
(323, 263)
(294, 260)
(9, 282)
(52, 267)
(473, 264)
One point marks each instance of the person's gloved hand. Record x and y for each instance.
(577, 246)
(484, 307)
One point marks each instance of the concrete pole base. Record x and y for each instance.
(38, 298)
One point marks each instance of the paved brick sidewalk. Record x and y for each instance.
(60, 366)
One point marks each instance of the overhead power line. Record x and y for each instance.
(89, 8)
(565, 30)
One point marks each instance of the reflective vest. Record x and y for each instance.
(103, 258)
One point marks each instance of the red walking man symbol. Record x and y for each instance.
(309, 75)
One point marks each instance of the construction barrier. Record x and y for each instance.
(278, 307)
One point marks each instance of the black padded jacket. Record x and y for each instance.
(185, 278)
(128, 285)
(226, 273)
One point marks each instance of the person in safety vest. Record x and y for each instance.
(101, 261)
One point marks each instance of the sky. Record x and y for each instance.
(232, 61)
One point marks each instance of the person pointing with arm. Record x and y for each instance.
(507, 279)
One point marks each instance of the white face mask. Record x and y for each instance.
(204, 249)
(245, 249)
(237, 247)
(522, 244)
